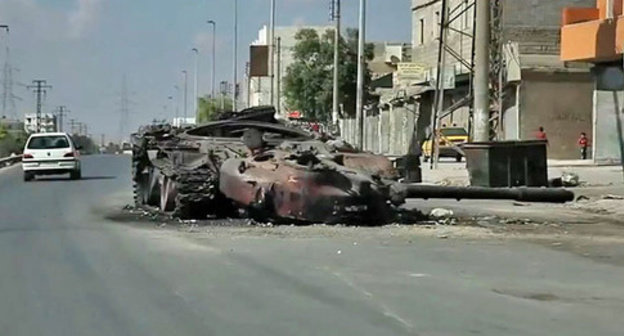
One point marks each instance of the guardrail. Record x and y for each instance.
(9, 161)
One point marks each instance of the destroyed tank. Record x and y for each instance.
(250, 164)
(178, 170)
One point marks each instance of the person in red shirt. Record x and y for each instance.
(583, 142)
(541, 135)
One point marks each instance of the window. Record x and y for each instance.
(48, 142)
(421, 31)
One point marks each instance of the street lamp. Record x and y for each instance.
(235, 60)
(214, 57)
(195, 84)
(185, 73)
(359, 110)
(271, 43)
(177, 103)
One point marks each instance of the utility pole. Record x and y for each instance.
(214, 58)
(278, 104)
(271, 43)
(235, 60)
(177, 102)
(61, 112)
(40, 88)
(336, 16)
(359, 104)
(8, 98)
(196, 83)
(438, 105)
(72, 126)
(248, 75)
(224, 92)
(185, 73)
(124, 109)
(481, 102)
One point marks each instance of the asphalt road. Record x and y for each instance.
(67, 270)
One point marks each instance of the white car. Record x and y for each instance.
(51, 154)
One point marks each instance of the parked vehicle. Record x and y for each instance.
(450, 139)
(51, 154)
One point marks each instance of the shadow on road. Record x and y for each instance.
(84, 178)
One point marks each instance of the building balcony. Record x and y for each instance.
(589, 35)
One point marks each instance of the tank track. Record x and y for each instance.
(198, 194)
(138, 176)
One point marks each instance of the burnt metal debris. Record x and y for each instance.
(249, 164)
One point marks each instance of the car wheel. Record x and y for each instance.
(458, 158)
(28, 177)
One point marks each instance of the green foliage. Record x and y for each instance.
(209, 107)
(11, 141)
(86, 144)
(308, 84)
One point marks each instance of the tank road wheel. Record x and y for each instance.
(151, 192)
(168, 193)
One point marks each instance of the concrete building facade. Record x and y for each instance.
(594, 34)
(536, 81)
(259, 87)
(47, 123)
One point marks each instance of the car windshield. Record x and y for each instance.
(455, 131)
(48, 142)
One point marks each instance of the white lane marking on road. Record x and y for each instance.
(420, 275)
(386, 311)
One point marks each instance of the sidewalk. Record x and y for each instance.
(455, 173)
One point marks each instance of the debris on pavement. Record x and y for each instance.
(613, 197)
(569, 179)
(441, 213)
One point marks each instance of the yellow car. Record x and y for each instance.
(450, 138)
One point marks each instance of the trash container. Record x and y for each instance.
(507, 163)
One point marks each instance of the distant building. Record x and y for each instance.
(182, 122)
(260, 87)
(47, 123)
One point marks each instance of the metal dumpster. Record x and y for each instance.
(507, 163)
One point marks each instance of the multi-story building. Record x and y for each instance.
(47, 123)
(536, 81)
(595, 35)
(260, 87)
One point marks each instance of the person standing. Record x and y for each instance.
(541, 135)
(583, 143)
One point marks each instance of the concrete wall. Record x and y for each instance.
(608, 119)
(388, 133)
(562, 104)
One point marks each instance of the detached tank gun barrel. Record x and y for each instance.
(541, 195)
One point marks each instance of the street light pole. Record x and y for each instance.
(196, 83)
(185, 73)
(336, 17)
(359, 105)
(177, 103)
(214, 58)
(235, 60)
(271, 43)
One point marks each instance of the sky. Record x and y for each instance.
(84, 48)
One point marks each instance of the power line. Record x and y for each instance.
(40, 88)
(61, 112)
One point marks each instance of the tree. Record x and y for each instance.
(308, 84)
(209, 107)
